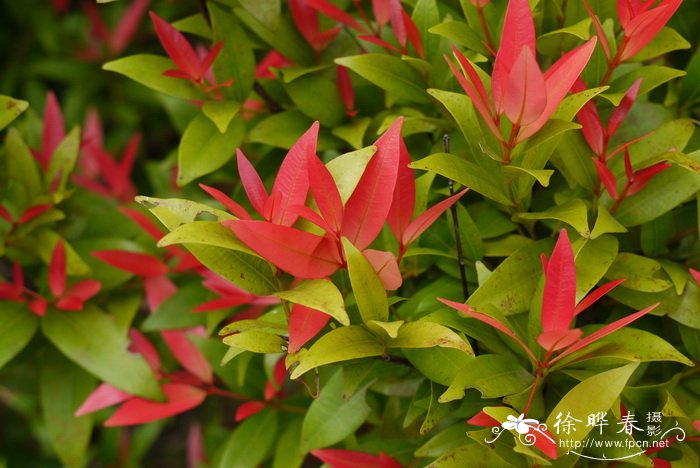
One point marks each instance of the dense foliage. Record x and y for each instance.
(360, 233)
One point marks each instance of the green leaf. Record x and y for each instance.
(425, 15)
(321, 295)
(461, 33)
(540, 175)
(427, 334)
(256, 342)
(510, 287)
(236, 60)
(221, 113)
(250, 443)
(354, 132)
(605, 223)
(194, 24)
(573, 103)
(664, 192)
(10, 108)
(204, 149)
(347, 169)
(341, 344)
(389, 73)
(593, 259)
(438, 364)
(367, 287)
(630, 344)
(261, 325)
(92, 340)
(486, 457)
(317, 97)
(63, 388)
(574, 213)
(173, 212)
(287, 453)
(62, 162)
(17, 327)
(652, 76)
(667, 40)
(205, 233)
(385, 329)
(148, 70)
(22, 174)
(551, 42)
(466, 173)
(493, 375)
(690, 84)
(330, 417)
(266, 11)
(640, 273)
(176, 311)
(283, 129)
(593, 395)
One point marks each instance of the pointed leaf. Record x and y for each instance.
(137, 263)
(179, 398)
(177, 47)
(559, 296)
(102, 397)
(188, 355)
(321, 295)
(304, 325)
(525, 94)
(368, 289)
(426, 219)
(57, 270)
(325, 194)
(252, 184)
(404, 199)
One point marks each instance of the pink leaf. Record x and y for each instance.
(413, 34)
(210, 57)
(345, 89)
(695, 274)
(426, 219)
(248, 409)
(397, 24)
(607, 177)
(605, 331)
(524, 94)
(325, 193)
(196, 455)
(335, 13)
(599, 31)
(559, 296)
(102, 397)
(299, 253)
(136, 410)
(178, 48)
(141, 345)
(387, 268)
(367, 208)
(252, 184)
(557, 339)
(304, 324)
(643, 176)
(593, 297)
(380, 8)
(136, 263)
(518, 33)
(188, 354)
(341, 458)
(477, 84)
(76, 295)
(489, 321)
(642, 31)
(559, 79)
(292, 182)
(158, 290)
(620, 112)
(57, 270)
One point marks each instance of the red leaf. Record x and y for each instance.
(233, 207)
(158, 290)
(695, 274)
(340, 458)
(136, 263)
(313, 217)
(178, 48)
(252, 184)
(557, 339)
(273, 59)
(642, 29)
(38, 306)
(304, 324)
(333, 12)
(102, 397)
(559, 296)
(299, 253)
(196, 455)
(128, 25)
(77, 294)
(380, 42)
(4, 214)
(599, 31)
(404, 198)
(593, 297)
(325, 193)
(591, 126)
(136, 410)
(221, 303)
(426, 219)
(484, 420)
(57, 270)
(605, 331)
(273, 388)
(210, 57)
(607, 177)
(518, 32)
(620, 112)
(489, 321)
(413, 34)
(143, 221)
(54, 129)
(188, 354)
(387, 268)
(367, 208)
(248, 409)
(559, 79)
(345, 89)
(292, 182)
(380, 8)
(33, 212)
(397, 24)
(643, 176)
(141, 345)
(306, 20)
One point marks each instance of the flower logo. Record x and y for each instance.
(519, 424)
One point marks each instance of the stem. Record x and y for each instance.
(510, 144)
(455, 224)
(273, 106)
(205, 11)
(489, 40)
(622, 196)
(615, 62)
(531, 397)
